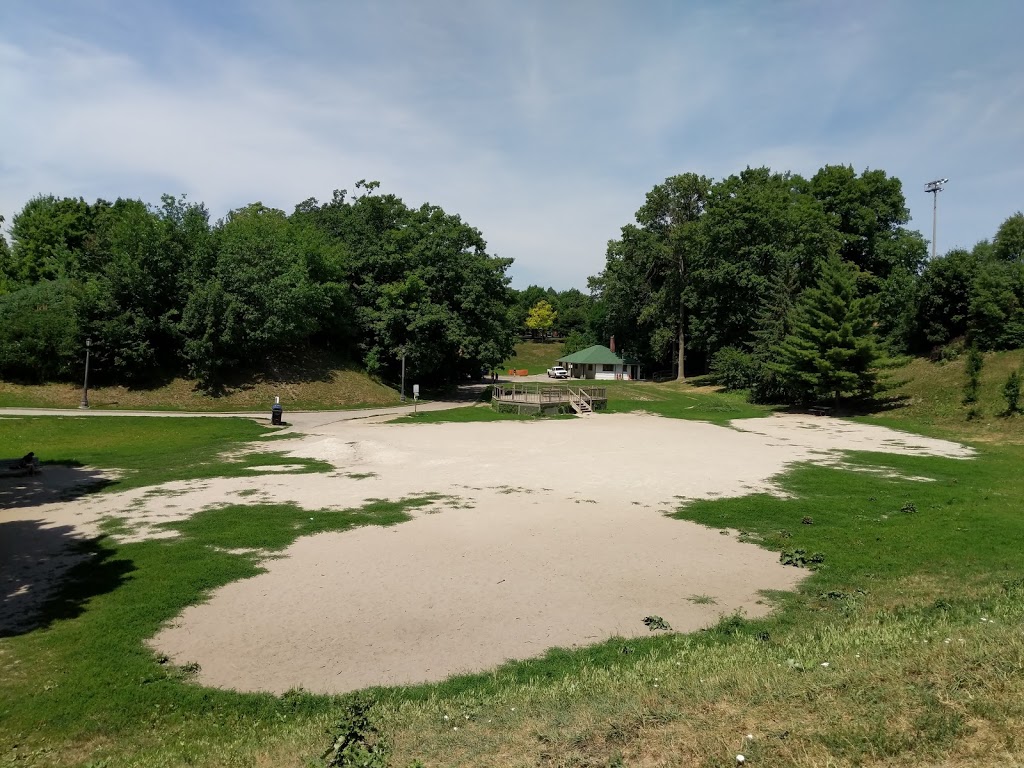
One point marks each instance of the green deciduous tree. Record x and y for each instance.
(758, 224)
(1008, 244)
(944, 297)
(831, 351)
(258, 301)
(996, 312)
(50, 239)
(573, 310)
(868, 211)
(40, 337)
(541, 316)
(420, 282)
(671, 213)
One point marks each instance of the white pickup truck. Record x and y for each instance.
(558, 372)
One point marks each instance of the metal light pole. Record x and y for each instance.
(403, 374)
(935, 187)
(85, 384)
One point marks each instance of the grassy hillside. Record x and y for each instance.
(927, 397)
(533, 356)
(325, 388)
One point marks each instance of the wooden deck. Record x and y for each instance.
(549, 398)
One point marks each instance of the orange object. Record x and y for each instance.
(511, 372)
(523, 372)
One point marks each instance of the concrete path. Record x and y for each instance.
(297, 419)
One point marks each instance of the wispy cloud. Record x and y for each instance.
(543, 124)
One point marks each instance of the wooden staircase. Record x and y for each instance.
(580, 402)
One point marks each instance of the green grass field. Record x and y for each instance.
(903, 647)
(533, 356)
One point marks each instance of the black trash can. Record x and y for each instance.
(275, 414)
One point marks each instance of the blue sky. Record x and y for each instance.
(542, 123)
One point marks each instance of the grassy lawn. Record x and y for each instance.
(479, 412)
(903, 646)
(681, 401)
(146, 450)
(533, 356)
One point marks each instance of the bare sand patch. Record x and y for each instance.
(564, 544)
(552, 535)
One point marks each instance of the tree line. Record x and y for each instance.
(786, 286)
(778, 283)
(161, 291)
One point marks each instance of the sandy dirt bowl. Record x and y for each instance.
(553, 534)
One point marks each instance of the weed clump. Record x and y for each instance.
(355, 740)
(800, 559)
(656, 622)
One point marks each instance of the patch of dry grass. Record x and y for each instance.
(873, 689)
(339, 388)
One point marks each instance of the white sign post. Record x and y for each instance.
(415, 396)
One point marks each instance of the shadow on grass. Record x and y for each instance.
(303, 365)
(56, 481)
(849, 408)
(49, 572)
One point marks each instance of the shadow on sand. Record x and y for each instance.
(65, 481)
(49, 572)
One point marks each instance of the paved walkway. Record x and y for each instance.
(297, 419)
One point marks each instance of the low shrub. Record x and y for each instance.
(733, 368)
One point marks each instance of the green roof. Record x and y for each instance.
(595, 355)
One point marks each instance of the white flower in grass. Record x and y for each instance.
(824, 663)
(446, 717)
(740, 759)
(750, 737)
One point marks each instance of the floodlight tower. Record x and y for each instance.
(935, 187)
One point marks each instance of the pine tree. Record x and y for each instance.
(972, 374)
(773, 323)
(1011, 391)
(832, 348)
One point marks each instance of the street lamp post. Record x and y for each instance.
(85, 384)
(403, 374)
(935, 187)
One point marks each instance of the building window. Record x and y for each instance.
(609, 367)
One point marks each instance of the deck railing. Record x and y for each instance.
(546, 394)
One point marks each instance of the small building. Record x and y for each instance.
(599, 362)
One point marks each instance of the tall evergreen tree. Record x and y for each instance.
(832, 349)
